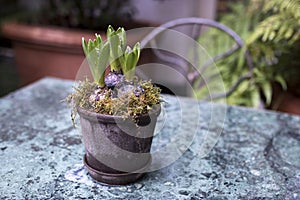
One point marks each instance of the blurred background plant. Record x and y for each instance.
(8, 77)
(7, 12)
(83, 14)
(270, 29)
(274, 43)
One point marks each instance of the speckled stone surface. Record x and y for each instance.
(257, 155)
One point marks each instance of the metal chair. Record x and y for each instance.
(187, 60)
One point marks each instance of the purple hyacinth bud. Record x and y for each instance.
(121, 77)
(138, 91)
(112, 79)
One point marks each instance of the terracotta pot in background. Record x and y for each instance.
(45, 51)
(51, 51)
(285, 101)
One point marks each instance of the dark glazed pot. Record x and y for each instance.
(117, 150)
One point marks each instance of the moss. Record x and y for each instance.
(125, 105)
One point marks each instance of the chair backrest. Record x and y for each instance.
(186, 33)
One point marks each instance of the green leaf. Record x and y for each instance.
(90, 55)
(282, 82)
(272, 35)
(114, 42)
(241, 58)
(123, 39)
(255, 98)
(97, 58)
(254, 36)
(103, 63)
(84, 46)
(137, 49)
(288, 33)
(110, 31)
(132, 58)
(98, 41)
(91, 45)
(122, 58)
(267, 90)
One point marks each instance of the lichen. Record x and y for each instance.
(127, 105)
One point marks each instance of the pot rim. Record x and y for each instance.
(56, 36)
(93, 116)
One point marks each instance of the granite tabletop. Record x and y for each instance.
(201, 150)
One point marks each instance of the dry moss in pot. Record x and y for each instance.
(117, 111)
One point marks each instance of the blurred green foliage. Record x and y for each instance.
(270, 29)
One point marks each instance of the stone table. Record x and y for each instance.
(247, 153)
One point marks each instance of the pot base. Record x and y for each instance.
(115, 179)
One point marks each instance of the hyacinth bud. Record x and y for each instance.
(138, 91)
(113, 79)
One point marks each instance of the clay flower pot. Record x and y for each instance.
(117, 146)
(45, 51)
(117, 150)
